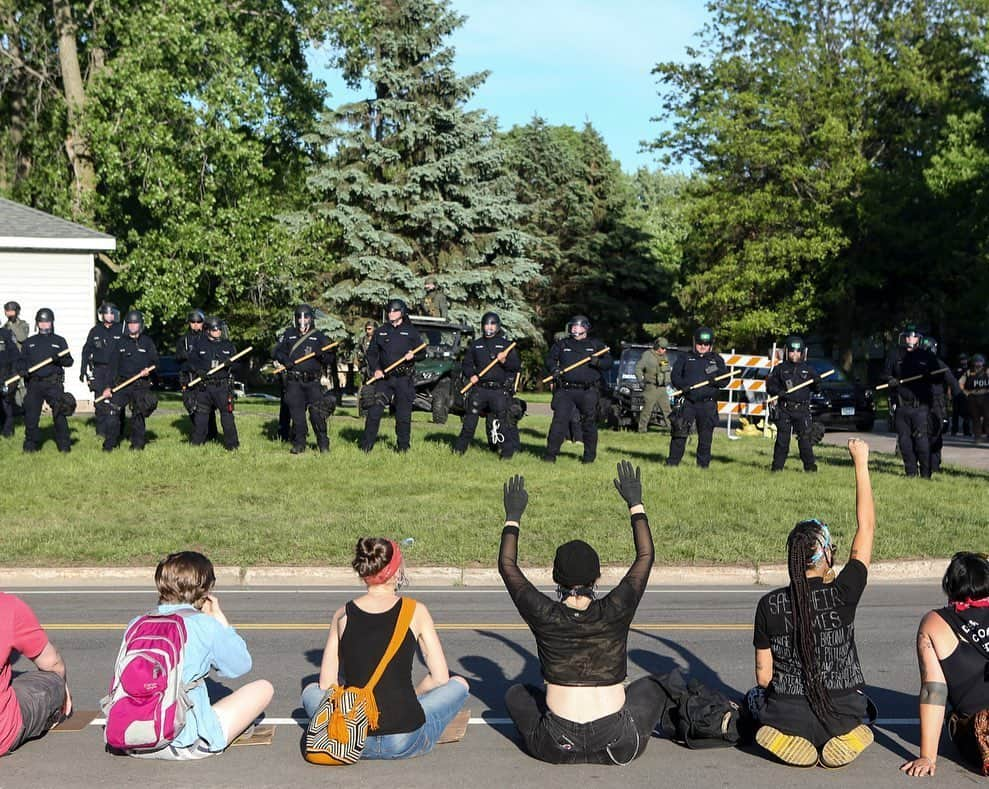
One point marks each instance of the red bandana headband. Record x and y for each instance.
(386, 572)
(970, 603)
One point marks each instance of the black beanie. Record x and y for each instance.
(576, 564)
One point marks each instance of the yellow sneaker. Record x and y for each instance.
(788, 748)
(845, 749)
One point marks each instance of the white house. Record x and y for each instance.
(48, 262)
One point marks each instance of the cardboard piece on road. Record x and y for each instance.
(262, 735)
(455, 729)
(78, 721)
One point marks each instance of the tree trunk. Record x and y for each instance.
(76, 144)
(18, 166)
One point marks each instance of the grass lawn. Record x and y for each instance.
(262, 505)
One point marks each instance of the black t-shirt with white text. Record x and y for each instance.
(833, 608)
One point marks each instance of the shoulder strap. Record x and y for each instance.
(401, 627)
(299, 342)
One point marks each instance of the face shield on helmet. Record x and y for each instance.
(44, 321)
(910, 337)
(196, 318)
(304, 318)
(930, 344)
(703, 337)
(795, 348)
(396, 306)
(490, 324)
(134, 321)
(578, 326)
(108, 313)
(215, 328)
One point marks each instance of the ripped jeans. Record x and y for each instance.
(614, 739)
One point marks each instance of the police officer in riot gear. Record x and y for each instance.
(792, 409)
(577, 390)
(913, 399)
(699, 406)
(491, 394)
(46, 383)
(394, 340)
(941, 384)
(303, 390)
(183, 354)
(9, 351)
(214, 392)
(96, 357)
(135, 354)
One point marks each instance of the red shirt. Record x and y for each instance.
(20, 631)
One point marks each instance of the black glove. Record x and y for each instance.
(629, 483)
(516, 498)
(892, 382)
(82, 377)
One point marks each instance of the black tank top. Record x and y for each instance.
(966, 669)
(364, 641)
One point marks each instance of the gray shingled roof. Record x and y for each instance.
(27, 228)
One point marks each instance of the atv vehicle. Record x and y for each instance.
(625, 390)
(435, 375)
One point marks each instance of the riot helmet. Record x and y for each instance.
(134, 317)
(212, 324)
(396, 305)
(196, 315)
(12, 306)
(44, 315)
(108, 308)
(929, 343)
(304, 318)
(490, 319)
(795, 344)
(703, 336)
(910, 336)
(579, 325)
(978, 361)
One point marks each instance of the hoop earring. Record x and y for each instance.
(830, 575)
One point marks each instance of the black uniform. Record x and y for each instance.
(96, 358)
(183, 354)
(700, 405)
(578, 390)
(44, 385)
(132, 355)
(9, 352)
(793, 411)
(214, 392)
(390, 344)
(913, 405)
(302, 387)
(492, 394)
(940, 385)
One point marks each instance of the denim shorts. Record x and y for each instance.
(440, 706)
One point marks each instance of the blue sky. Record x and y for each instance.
(568, 61)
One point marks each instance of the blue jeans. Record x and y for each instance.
(440, 706)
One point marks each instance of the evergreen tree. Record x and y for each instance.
(415, 185)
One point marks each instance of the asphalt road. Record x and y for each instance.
(707, 632)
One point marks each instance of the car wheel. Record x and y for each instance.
(441, 402)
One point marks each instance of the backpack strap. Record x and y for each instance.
(401, 628)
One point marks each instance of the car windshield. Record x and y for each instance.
(439, 337)
(823, 365)
(630, 357)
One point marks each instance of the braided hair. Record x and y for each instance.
(804, 541)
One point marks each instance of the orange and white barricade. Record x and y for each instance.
(746, 396)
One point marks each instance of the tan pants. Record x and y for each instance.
(978, 408)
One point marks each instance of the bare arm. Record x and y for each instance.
(865, 511)
(932, 699)
(432, 651)
(329, 669)
(763, 667)
(50, 660)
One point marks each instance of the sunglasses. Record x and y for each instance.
(195, 321)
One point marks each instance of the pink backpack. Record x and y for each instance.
(147, 703)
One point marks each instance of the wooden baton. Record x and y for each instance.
(305, 358)
(913, 378)
(393, 365)
(219, 367)
(774, 398)
(575, 365)
(486, 369)
(38, 366)
(128, 382)
(707, 382)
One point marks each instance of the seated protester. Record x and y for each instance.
(36, 700)
(185, 581)
(410, 718)
(586, 715)
(953, 653)
(805, 655)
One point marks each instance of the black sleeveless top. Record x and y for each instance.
(364, 641)
(967, 669)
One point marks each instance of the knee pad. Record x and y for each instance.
(382, 399)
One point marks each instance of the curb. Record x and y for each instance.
(470, 577)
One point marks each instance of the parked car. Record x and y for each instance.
(165, 376)
(625, 391)
(840, 404)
